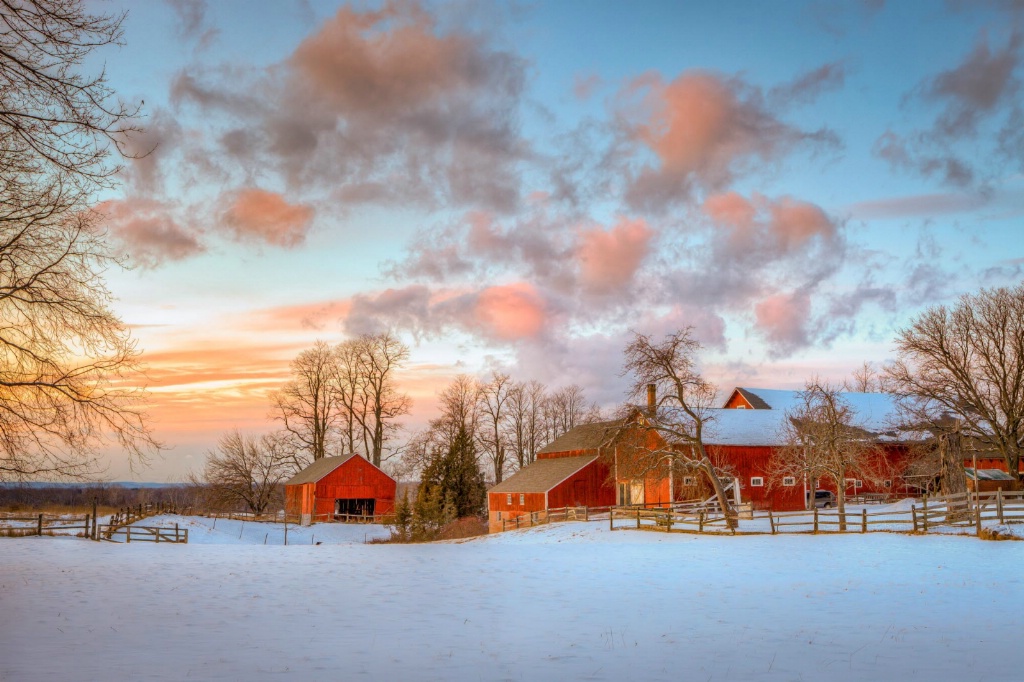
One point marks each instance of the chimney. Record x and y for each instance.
(652, 399)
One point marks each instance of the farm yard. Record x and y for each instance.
(561, 601)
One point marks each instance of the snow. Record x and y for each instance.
(565, 601)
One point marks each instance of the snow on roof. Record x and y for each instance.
(874, 411)
(745, 427)
(989, 474)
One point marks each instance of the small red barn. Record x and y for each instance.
(345, 485)
(568, 472)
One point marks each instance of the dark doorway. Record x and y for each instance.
(354, 506)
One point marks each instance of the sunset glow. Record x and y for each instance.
(518, 187)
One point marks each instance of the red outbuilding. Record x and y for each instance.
(568, 472)
(344, 486)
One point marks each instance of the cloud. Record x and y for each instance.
(808, 86)
(979, 117)
(497, 313)
(782, 319)
(510, 312)
(377, 99)
(766, 229)
(921, 205)
(976, 87)
(703, 129)
(253, 214)
(148, 232)
(609, 259)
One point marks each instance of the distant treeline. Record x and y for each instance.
(24, 496)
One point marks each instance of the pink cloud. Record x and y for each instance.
(510, 312)
(769, 227)
(148, 231)
(609, 259)
(703, 129)
(259, 215)
(782, 318)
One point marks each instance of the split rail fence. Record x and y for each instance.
(924, 515)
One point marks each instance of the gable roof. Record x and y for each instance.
(318, 469)
(583, 437)
(755, 401)
(542, 475)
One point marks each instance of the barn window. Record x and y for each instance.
(508, 498)
(522, 498)
(887, 484)
(687, 480)
(858, 483)
(757, 482)
(851, 482)
(789, 481)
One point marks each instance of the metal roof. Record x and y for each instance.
(542, 475)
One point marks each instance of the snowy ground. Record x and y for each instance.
(568, 601)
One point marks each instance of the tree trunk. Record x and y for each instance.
(952, 478)
(723, 501)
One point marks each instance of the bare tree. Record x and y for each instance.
(379, 357)
(307, 404)
(247, 470)
(681, 411)
(824, 441)
(59, 127)
(865, 379)
(69, 370)
(967, 363)
(523, 429)
(492, 400)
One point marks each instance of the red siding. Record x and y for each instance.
(588, 487)
(356, 478)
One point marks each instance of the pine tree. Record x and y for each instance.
(401, 529)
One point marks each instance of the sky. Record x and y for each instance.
(520, 186)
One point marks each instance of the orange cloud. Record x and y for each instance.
(256, 214)
(148, 231)
(510, 312)
(609, 259)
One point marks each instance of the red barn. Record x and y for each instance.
(568, 472)
(346, 485)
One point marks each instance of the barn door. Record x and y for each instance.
(579, 493)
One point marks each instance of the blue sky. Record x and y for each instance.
(519, 186)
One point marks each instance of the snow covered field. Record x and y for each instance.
(560, 602)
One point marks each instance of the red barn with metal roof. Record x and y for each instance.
(347, 486)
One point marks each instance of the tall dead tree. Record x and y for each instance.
(680, 411)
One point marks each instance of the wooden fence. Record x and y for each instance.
(924, 515)
(129, 534)
(929, 514)
(44, 524)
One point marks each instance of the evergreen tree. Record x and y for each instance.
(401, 529)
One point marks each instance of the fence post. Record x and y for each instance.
(87, 526)
(977, 512)
(637, 517)
(771, 521)
(586, 513)
(128, 534)
(94, 501)
(924, 516)
(700, 527)
(913, 515)
(999, 504)
(611, 518)
(815, 520)
(39, 531)
(863, 520)
(176, 535)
